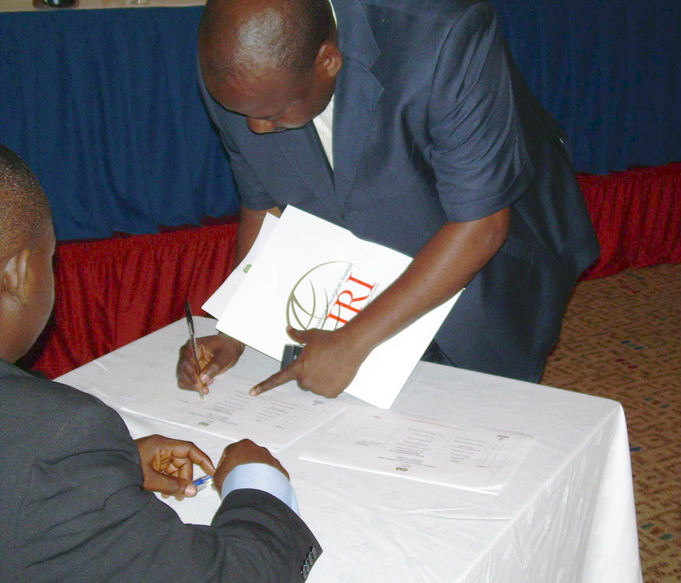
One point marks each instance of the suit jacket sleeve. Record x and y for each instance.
(478, 151)
(85, 517)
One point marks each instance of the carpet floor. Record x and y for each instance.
(621, 339)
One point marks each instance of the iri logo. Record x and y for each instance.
(327, 297)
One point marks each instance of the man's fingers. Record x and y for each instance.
(188, 380)
(209, 372)
(185, 469)
(276, 380)
(200, 458)
(300, 336)
(204, 355)
(169, 485)
(186, 369)
(186, 373)
(185, 454)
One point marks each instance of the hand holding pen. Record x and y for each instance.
(168, 465)
(216, 354)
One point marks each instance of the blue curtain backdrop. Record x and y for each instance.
(103, 104)
(609, 71)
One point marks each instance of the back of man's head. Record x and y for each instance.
(26, 249)
(24, 209)
(262, 35)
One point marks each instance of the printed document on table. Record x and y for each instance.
(273, 419)
(312, 274)
(396, 444)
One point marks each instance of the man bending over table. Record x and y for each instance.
(75, 500)
(408, 124)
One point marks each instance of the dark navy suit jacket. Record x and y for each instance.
(433, 123)
(73, 508)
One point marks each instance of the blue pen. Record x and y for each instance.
(203, 482)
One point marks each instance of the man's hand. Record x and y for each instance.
(168, 465)
(326, 366)
(445, 264)
(220, 352)
(244, 452)
(217, 353)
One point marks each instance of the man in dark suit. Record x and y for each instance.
(73, 500)
(425, 139)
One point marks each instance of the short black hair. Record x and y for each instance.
(24, 208)
(287, 35)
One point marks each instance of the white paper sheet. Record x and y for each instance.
(396, 444)
(313, 274)
(217, 303)
(273, 419)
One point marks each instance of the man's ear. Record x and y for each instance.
(329, 58)
(15, 280)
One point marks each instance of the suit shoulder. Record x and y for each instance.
(424, 28)
(24, 390)
(36, 410)
(445, 10)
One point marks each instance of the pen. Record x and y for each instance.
(192, 342)
(203, 482)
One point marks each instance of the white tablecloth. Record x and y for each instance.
(565, 516)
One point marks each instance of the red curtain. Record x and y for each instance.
(111, 292)
(637, 215)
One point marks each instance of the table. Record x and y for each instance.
(566, 515)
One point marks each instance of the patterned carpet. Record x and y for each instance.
(621, 339)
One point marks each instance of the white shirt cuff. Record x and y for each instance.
(261, 477)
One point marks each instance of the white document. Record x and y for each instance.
(313, 274)
(397, 444)
(216, 303)
(273, 419)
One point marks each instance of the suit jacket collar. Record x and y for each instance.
(355, 37)
(303, 150)
(357, 92)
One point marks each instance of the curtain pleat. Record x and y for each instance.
(111, 292)
(637, 215)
